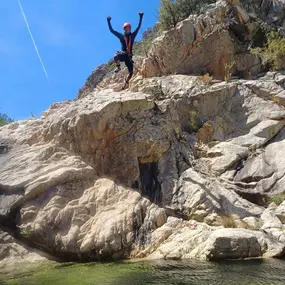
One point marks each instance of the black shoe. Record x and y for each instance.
(118, 69)
(126, 85)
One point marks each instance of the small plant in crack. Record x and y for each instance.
(193, 121)
(206, 79)
(26, 232)
(228, 221)
(196, 217)
(277, 199)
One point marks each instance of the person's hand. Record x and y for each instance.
(109, 18)
(141, 14)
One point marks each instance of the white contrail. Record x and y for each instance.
(33, 40)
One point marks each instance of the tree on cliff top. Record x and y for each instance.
(4, 119)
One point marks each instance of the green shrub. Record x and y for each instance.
(273, 54)
(194, 121)
(277, 199)
(196, 217)
(26, 232)
(206, 79)
(171, 12)
(168, 14)
(4, 120)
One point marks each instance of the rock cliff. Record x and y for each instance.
(172, 168)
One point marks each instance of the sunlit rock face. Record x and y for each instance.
(174, 167)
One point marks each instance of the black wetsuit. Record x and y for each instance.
(126, 40)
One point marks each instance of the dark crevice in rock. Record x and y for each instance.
(9, 205)
(182, 163)
(251, 179)
(277, 138)
(156, 109)
(185, 127)
(270, 191)
(254, 198)
(149, 184)
(259, 38)
(5, 146)
(3, 149)
(236, 29)
(9, 222)
(11, 190)
(177, 213)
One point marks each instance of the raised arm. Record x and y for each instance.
(117, 34)
(139, 26)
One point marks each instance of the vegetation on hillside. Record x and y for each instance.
(171, 12)
(4, 119)
(142, 47)
(273, 53)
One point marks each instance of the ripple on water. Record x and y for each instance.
(253, 272)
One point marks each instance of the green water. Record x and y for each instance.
(141, 273)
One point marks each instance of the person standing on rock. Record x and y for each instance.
(127, 41)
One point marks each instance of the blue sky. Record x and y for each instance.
(72, 38)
